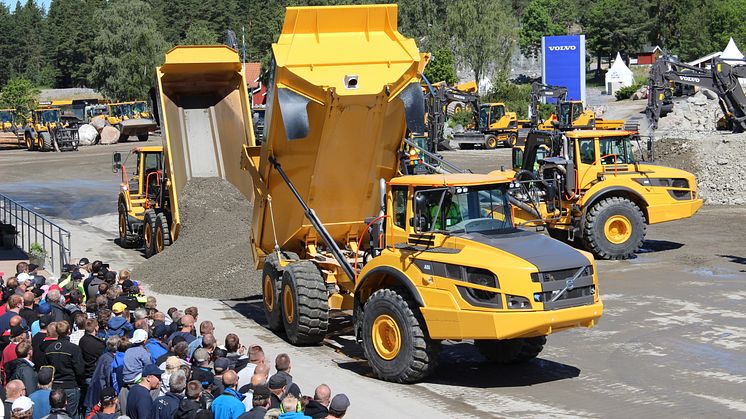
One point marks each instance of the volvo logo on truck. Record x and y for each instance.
(690, 79)
(563, 48)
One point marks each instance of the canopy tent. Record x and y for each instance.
(618, 76)
(731, 54)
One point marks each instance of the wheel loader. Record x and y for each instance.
(131, 119)
(590, 190)
(45, 131)
(414, 259)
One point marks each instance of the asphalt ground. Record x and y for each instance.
(671, 342)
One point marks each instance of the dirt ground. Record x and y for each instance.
(671, 342)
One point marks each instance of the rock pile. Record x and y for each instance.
(696, 113)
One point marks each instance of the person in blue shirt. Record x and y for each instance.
(40, 397)
(154, 345)
(139, 403)
(229, 405)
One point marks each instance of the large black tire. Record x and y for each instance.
(599, 228)
(395, 338)
(47, 142)
(490, 142)
(271, 284)
(30, 146)
(512, 140)
(511, 351)
(305, 303)
(162, 233)
(143, 137)
(125, 231)
(122, 137)
(466, 146)
(148, 232)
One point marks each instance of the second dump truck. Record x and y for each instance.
(414, 259)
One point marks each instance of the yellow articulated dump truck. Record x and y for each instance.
(414, 259)
(206, 120)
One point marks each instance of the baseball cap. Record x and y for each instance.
(77, 275)
(45, 375)
(83, 262)
(108, 394)
(22, 404)
(38, 292)
(339, 403)
(118, 308)
(16, 331)
(139, 336)
(160, 331)
(276, 382)
(173, 362)
(261, 392)
(201, 355)
(23, 277)
(44, 308)
(221, 364)
(151, 369)
(45, 319)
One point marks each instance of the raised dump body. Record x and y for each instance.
(344, 81)
(205, 117)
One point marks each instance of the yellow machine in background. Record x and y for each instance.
(45, 131)
(571, 114)
(206, 120)
(588, 188)
(7, 120)
(415, 259)
(131, 119)
(500, 125)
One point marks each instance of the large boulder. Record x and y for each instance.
(99, 123)
(87, 135)
(109, 135)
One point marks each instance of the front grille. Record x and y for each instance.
(561, 275)
(565, 288)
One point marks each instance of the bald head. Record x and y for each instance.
(230, 379)
(323, 394)
(28, 299)
(187, 323)
(258, 380)
(15, 321)
(262, 370)
(14, 389)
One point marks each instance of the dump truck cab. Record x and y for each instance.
(139, 190)
(414, 259)
(594, 192)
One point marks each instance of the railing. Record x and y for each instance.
(35, 228)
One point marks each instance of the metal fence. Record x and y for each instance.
(34, 228)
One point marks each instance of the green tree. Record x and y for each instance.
(5, 44)
(538, 21)
(613, 26)
(20, 94)
(199, 33)
(441, 67)
(70, 40)
(424, 21)
(483, 35)
(30, 57)
(128, 48)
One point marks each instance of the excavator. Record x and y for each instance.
(721, 78)
(442, 101)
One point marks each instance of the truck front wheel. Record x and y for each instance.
(305, 303)
(395, 339)
(490, 142)
(162, 233)
(511, 351)
(148, 233)
(614, 228)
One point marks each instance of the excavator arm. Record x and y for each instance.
(539, 91)
(721, 78)
(437, 99)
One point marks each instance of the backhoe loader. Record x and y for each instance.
(414, 259)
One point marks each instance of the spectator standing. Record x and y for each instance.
(41, 396)
(220, 366)
(318, 408)
(58, 312)
(118, 324)
(23, 408)
(283, 367)
(187, 327)
(165, 407)
(14, 305)
(260, 403)
(79, 319)
(256, 358)
(47, 334)
(136, 357)
(155, 345)
(102, 373)
(22, 368)
(277, 386)
(201, 370)
(205, 328)
(338, 406)
(18, 334)
(28, 312)
(291, 408)
(189, 407)
(236, 354)
(59, 404)
(229, 405)
(117, 367)
(91, 346)
(69, 367)
(108, 405)
(13, 390)
(44, 311)
(171, 366)
(139, 403)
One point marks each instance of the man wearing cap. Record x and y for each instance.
(229, 405)
(119, 323)
(136, 357)
(277, 386)
(130, 291)
(220, 366)
(69, 367)
(165, 407)
(338, 407)
(41, 396)
(139, 403)
(260, 403)
(23, 408)
(107, 407)
(283, 367)
(201, 370)
(22, 368)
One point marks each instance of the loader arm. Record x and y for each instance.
(539, 91)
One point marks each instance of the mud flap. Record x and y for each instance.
(414, 107)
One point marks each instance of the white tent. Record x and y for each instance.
(731, 54)
(618, 76)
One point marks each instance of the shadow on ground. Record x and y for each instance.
(460, 364)
(653, 246)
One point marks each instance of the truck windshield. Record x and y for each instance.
(464, 209)
(51, 115)
(6, 116)
(616, 150)
(565, 118)
(139, 107)
(484, 113)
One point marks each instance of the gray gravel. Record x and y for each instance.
(211, 258)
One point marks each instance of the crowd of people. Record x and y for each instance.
(91, 345)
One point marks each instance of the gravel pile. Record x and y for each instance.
(211, 259)
(698, 113)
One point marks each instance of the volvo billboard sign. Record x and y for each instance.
(563, 64)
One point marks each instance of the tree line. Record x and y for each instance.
(115, 45)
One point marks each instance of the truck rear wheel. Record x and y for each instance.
(148, 233)
(305, 304)
(271, 284)
(512, 140)
(29, 143)
(47, 142)
(125, 237)
(614, 228)
(162, 233)
(511, 351)
(490, 142)
(395, 338)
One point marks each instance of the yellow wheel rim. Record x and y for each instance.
(287, 304)
(122, 225)
(28, 143)
(269, 294)
(148, 235)
(618, 229)
(491, 142)
(159, 239)
(386, 337)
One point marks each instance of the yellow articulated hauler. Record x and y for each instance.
(415, 259)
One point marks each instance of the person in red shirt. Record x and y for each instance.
(18, 334)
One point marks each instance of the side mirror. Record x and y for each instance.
(116, 162)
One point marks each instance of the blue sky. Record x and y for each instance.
(12, 3)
